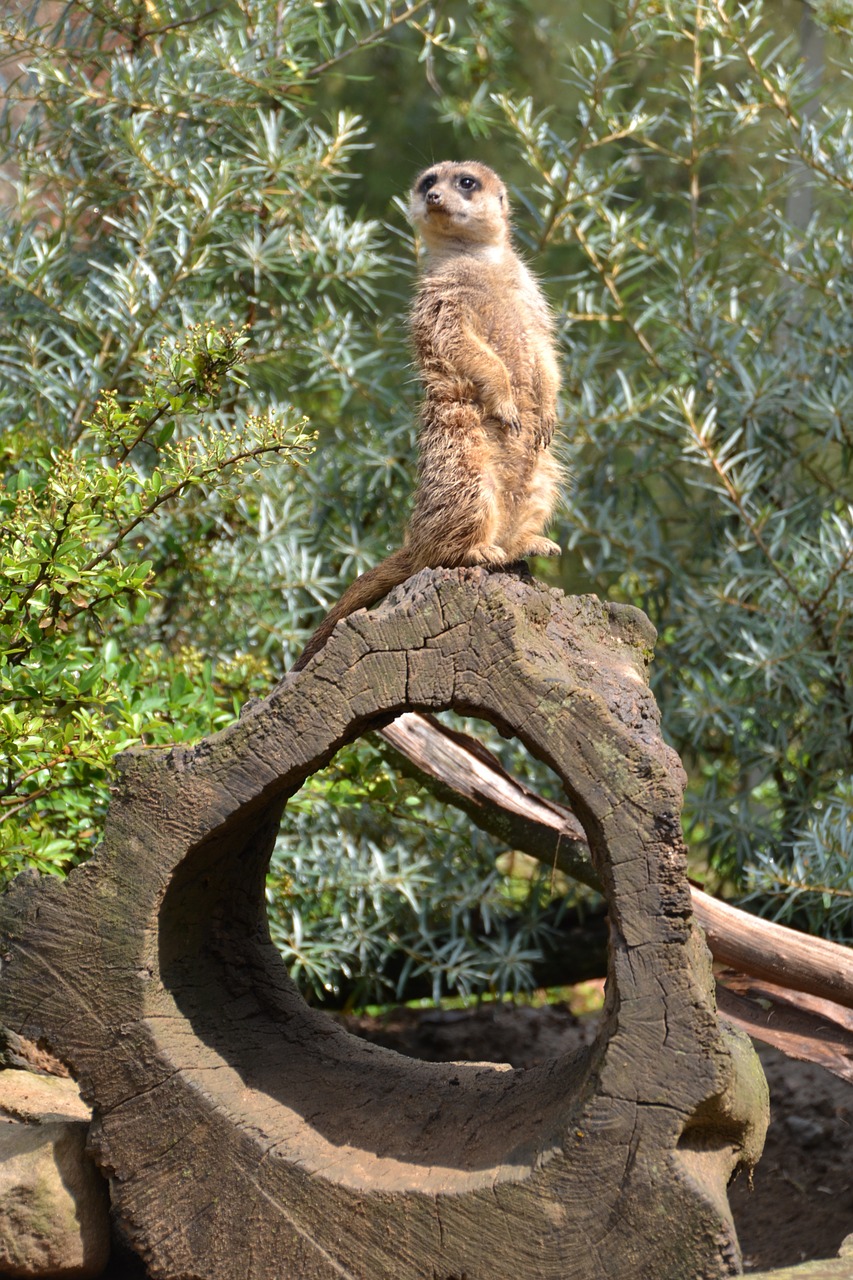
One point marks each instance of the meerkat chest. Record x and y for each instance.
(508, 322)
(501, 307)
(467, 307)
(515, 323)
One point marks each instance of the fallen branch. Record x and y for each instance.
(774, 953)
(459, 770)
(802, 1026)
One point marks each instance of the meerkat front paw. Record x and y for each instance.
(506, 413)
(545, 431)
(543, 547)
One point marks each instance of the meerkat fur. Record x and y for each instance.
(483, 339)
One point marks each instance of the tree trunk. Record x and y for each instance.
(247, 1135)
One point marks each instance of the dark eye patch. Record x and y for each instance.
(467, 182)
(429, 180)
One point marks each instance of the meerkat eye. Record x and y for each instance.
(427, 182)
(467, 183)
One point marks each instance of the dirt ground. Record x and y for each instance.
(801, 1204)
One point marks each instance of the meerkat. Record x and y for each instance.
(483, 338)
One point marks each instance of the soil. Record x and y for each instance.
(801, 1204)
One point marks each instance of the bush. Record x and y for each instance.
(685, 196)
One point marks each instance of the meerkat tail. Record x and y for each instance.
(367, 589)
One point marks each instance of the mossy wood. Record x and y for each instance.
(246, 1135)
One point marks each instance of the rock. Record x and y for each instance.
(54, 1205)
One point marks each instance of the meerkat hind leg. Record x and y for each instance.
(534, 511)
(486, 553)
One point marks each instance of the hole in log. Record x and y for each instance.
(377, 821)
(342, 1107)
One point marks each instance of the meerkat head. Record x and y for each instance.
(461, 204)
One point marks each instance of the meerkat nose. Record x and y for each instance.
(433, 197)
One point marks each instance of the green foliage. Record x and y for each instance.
(814, 880)
(81, 677)
(682, 182)
(369, 893)
(835, 15)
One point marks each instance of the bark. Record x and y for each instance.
(245, 1134)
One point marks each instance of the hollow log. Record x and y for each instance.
(246, 1135)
